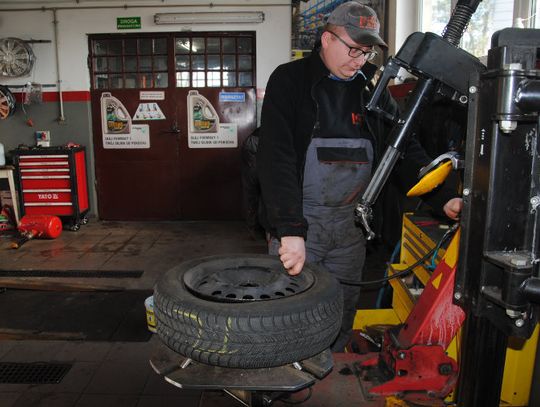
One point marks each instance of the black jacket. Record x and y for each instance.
(289, 115)
(250, 181)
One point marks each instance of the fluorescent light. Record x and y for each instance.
(210, 17)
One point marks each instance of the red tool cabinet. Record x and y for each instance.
(53, 181)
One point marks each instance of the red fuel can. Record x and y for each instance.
(41, 226)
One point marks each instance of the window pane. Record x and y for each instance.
(198, 62)
(182, 62)
(100, 64)
(160, 80)
(160, 46)
(130, 46)
(117, 82)
(435, 15)
(244, 45)
(214, 79)
(115, 64)
(244, 79)
(197, 47)
(490, 16)
(145, 64)
(229, 62)
(229, 78)
(146, 80)
(145, 46)
(131, 81)
(115, 47)
(130, 63)
(182, 45)
(160, 63)
(212, 45)
(182, 80)
(213, 62)
(100, 47)
(244, 62)
(198, 79)
(101, 81)
(229, 45)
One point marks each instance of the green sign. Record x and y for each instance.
(126, 23)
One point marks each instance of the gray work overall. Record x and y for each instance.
(337, 171)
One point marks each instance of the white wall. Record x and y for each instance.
(76, 21)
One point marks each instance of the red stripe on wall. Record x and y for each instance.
(69, 96)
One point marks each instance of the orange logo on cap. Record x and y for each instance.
(368, 22)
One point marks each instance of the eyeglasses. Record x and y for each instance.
(356, 52)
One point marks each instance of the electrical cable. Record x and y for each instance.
(432, 266)
(406, 271)
(383, 289)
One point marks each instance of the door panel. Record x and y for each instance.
(137, 184)
(211, 177)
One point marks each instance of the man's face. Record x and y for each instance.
(335, 54)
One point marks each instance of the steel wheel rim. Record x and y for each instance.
(244, 282)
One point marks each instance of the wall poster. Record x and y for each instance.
(204, 127)
(117, 129)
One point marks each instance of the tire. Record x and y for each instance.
(249, 334)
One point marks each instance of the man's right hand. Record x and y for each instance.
(292, 254)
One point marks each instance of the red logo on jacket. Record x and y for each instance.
(356, 119)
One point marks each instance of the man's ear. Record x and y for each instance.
(325, 39)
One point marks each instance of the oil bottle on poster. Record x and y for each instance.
(115, 118)
(202, 116)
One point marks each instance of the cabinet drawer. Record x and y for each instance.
(51, 208)
(45, 182)
(47, 195)
(43, 172)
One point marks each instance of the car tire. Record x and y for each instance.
(265, 330)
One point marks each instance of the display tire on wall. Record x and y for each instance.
(246, 311)
(16, 57)
(7, 103)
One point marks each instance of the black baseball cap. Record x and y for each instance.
(360, 21)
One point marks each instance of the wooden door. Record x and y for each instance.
(170, 177)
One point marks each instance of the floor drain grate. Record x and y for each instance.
(33, 373)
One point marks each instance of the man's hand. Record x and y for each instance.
(292, 254)
(453, 207)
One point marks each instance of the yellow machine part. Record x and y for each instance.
(431, 180)
(418, 237)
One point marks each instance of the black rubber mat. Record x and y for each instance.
(33, 373)
(73, 273)
(97, 315)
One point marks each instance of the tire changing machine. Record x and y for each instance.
(489, 287)
(251, 387)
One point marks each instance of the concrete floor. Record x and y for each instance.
(118, 373)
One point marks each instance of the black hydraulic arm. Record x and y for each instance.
(442, 67)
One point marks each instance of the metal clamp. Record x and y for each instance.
(364, 215)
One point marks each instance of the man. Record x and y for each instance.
(318, 147)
